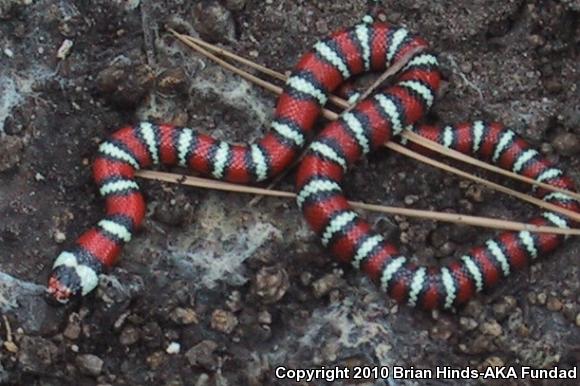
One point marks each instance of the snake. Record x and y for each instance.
(332, 63)
(365, 47)
(352, 241)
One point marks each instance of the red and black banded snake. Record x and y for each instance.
(362, 48)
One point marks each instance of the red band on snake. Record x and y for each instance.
(362, 48)
(351, 240)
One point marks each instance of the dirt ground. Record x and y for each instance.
(215, 291)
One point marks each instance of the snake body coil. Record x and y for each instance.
(362, 48)
(350, 52)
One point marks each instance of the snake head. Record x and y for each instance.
(70, 278)
(58, 291)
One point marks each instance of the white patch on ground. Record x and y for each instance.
(9, 98)
(353, 324)
(14, 89)
(239, 94)
(223, 242)
(11, 289)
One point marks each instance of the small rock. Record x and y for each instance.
(493, 362)
(502, 309)
(410, 199)
(554, 304)
(59, 237)
(441, 332)
(447, 249)
(175, 212)
(468, 324)
(36, 354)
(235, 5)
(64, 49)
(566, 144)
(202, 355)
(479, 345)
(173, 348)
(10, 152)
(155, 360)
(306, 278)
(152, 335)
(264, 317)
(214, 22)
(578, 320)
(492, 328)
(536, 40)
(73, 328)
(90, 364)
(125, 83)
(120, 287)
(270, 284)
(326, 284)
(130, 335)
(183, 316)
(475, 193)
(439, 237)
(223, 321)
(541, 298)
(172, 81)
(466, 67)
(234, 302)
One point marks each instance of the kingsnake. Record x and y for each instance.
(365, 47)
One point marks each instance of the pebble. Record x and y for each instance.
(152, 335)
(566, 144)
(554, 304)
(271, 284)
(73, 328)
(174, 212)
(59, 237)
(468, 324)
(325, 284)
(201, 355)
(173, 348)
(213, 21)
(493, 362)
(492, 328)
(264, 317)
(172, 81)
(129, 336)
(578, 320)
(90, 364)
(411, 199)
(223, 321)
(36, 354)
(64, 49)
(504, 307)
(441, 331)
(475, 193)
(235, 5)
(571, 117)
(234, 302)
(541, 298)
(10, 152)
(155, 360)
(183, 316)
(124, 82)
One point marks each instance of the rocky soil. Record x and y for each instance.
(218, 291)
